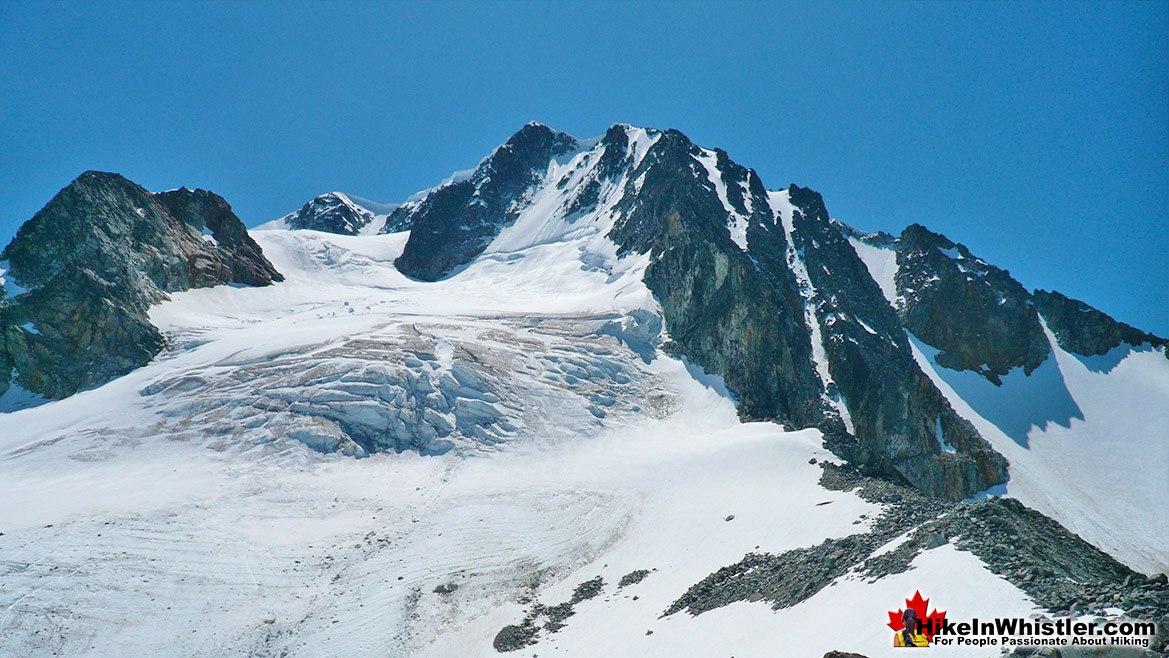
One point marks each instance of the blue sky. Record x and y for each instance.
(1035, 133)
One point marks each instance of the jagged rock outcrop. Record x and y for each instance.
(455, 222)
(209, 214)
(903, 425)
(332, 213)
(93, 261)
(980, 317)
(740, 319)
(878, 239)
(78, 330)
(1084, 330)
(765, 290)
(719, 267)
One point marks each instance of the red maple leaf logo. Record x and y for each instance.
(919, 605)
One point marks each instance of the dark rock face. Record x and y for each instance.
(94, 259)
(983, 320)
(734, 318)
(980, 317)
(77, 331)
(456, 222)
(331, 213)
(167, 242)
(1083, 330)
(878, 239)
(616, 158)
(751, 296)
(900, 418)
(739, 313)
(206, 211)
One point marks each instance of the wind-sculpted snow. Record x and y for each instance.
(289, 562)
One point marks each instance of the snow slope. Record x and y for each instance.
(146, 528)
(1086, 440)
(1078, 433)
(882, 265)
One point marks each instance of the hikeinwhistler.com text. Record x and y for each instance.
(1016, 631)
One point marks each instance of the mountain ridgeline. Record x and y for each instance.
(456, 222)
(809, 322)
(784, 303)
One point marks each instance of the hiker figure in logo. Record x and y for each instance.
(911, 635)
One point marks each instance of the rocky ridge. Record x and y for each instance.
(734, 315)
(1058, 570)
(980, 317)
(901, 423)
(767, 291)
(1086, 331)
(456, 221)
(761, 288)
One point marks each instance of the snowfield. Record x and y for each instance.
(179, 511)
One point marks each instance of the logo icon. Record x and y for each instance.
(912, 625)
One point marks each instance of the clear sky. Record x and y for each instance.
(1035, 133)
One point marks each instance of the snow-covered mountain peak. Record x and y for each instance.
(336, 212)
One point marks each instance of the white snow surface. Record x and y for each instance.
(882, 265)
(279, 224)
(162, 515)
(737, 222)
(1087, 442)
